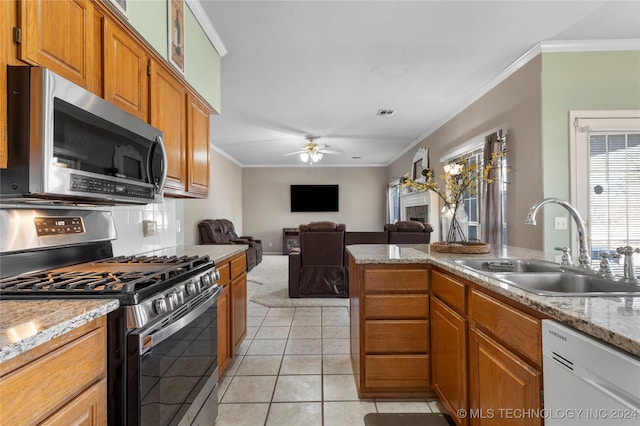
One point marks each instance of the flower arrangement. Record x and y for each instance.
(460, 179)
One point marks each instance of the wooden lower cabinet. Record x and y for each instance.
(86, 409)
(232, 308)
(238, 311)
(500, 383)
(449, 357)
(486, 355)
(59, 383)
(224, 348)
(389, 308)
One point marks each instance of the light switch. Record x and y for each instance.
(560, 224)
(148, 227)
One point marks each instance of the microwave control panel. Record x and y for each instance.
(104, 186)
(58, 225)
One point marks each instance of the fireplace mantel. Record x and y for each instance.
(423, 198)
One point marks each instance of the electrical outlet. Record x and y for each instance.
(560, 224)
(270, 244)
(148, 227)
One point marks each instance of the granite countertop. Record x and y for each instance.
(25, 324)
(615, 320)
(216, 252)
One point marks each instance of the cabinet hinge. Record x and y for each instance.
(17, 35)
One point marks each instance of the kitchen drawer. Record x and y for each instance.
(514, 328)
(238, 265)
(225, 273)
(450, 291)
(397, 372)
(396, 280)
(396, 306)
(396, 337)
(34, 391)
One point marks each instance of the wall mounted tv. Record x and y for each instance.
(314, 198)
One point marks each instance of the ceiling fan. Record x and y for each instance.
(312, 151)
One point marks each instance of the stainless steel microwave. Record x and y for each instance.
(67, 144)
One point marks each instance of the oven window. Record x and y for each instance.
(83, 141)
(173, 373)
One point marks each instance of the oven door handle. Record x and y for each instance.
(150, 339)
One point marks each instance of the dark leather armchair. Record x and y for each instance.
(230, 232)
(316, 269)
(214, 231)
(409, 232)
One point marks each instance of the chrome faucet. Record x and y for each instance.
(629, 268)
(584, 261)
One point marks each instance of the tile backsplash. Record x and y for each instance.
(129, 220)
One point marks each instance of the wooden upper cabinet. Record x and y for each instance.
(59, 35)
(126, 83)
(7, 56)
(168, 113)
(198, 146)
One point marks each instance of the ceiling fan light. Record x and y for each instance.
(304, 157)
(315, 156)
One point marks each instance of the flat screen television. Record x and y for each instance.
(314, 198)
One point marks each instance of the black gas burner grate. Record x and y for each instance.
(188, 261)
(120, 275)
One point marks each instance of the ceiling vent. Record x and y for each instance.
(385, 112)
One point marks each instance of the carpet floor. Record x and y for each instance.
(272, 279)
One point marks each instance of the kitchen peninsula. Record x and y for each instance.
(615, 320)
(473, 333)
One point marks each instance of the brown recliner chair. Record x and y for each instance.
(316, 269)
(409, 232)
(230, 232)
(211, 232)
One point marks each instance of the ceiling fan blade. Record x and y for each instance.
(328, 151)
(294, 153)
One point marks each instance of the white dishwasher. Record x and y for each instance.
(587, 382)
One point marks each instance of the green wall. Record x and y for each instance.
(202, 61)
(572, 82)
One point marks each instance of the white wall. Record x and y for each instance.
(266, 205)
(224, 201)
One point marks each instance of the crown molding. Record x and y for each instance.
(307, 165)
(538, 48)
(590, 45)
(225, 155)
(207, 26)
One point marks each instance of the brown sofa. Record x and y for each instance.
(316, 268)
(222, 231)
(409, 232)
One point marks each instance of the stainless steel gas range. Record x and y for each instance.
(162, 341)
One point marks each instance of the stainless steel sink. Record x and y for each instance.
(567, 284)
(510, 265)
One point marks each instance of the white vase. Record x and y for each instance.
(454, 230)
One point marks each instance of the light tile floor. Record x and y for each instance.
(294, 369)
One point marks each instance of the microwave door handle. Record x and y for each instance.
(165, 165)
(150, 340)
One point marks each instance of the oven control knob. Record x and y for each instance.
(173, 299)
(216, 275)
(192, 288)
(160, 306)
(206, 281)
